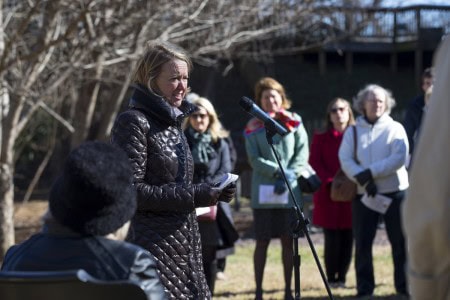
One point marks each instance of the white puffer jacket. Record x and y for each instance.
(382, 147)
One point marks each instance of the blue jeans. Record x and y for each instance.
(364, 225)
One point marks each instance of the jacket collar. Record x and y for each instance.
(158, 108)
(385, 118)
(333, 132)
(53, 227)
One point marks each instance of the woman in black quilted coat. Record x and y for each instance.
(150, 132)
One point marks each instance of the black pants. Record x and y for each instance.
(338, 253)
(365, 223)
(221, 263)
(210, 265)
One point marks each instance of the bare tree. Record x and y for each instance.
(65, 57)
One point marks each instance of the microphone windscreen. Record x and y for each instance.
(246, 103)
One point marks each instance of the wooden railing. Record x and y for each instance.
(390, 24)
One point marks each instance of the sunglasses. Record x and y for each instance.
(201, 116)
(335, 110)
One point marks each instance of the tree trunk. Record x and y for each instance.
(6, 173)
(110, 112)
(85, 109)
(6, 207)
(6, 166)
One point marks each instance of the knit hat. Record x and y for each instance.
(95, 194)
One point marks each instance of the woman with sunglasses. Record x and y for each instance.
(334, 217)
(207, 140)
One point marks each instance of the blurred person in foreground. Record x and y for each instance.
(382, 147)
(210, 151)
(90, 207)
(150, 131)
(426, 209)
(335, 217)
(272, 205)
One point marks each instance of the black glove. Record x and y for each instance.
(371, 188)
(279, 187)
(364, 177)
(290, 175)
(228, 193)
(205, 195)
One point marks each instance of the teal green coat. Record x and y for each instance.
(293, 151)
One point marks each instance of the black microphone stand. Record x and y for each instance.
(300, 224)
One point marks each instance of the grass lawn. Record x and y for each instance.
(240, 280)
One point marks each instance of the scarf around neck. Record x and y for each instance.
(202, 150)
(284, 117)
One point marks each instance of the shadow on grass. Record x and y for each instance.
(274, 294)
(388, 297)
(248, 294)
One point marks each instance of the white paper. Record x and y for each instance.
(379, 203)
(267, 196)
(227, 179)
(202, 210)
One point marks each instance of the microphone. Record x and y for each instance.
(253, 109)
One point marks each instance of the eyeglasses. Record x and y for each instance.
(201, 116)
(335, 110)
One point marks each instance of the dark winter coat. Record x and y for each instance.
(58, 248)
(165, 222)
(413, 120)
(220, 233)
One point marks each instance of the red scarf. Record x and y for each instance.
(284, 117)
(287, 119)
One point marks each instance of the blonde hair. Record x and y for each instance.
(351, 117)
(268, 83)
(150, 64)
(361, 97)
(215, 126)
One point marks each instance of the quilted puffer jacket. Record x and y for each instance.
(165, 222)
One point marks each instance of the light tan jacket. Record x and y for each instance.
(426, 211)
